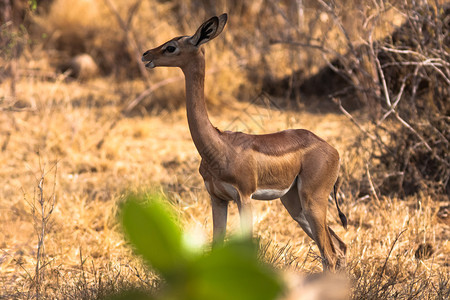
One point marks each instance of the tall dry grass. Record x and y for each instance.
(398, 248)
(86, 254)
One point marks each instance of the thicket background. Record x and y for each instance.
(82, 121)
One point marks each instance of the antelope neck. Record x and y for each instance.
(206, 137)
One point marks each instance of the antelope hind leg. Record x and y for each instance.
(291, 202)
(341, 249)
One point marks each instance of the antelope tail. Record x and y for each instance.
(341, 214)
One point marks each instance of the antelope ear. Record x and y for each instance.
(209, 30)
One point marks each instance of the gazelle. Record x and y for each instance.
(294, 165)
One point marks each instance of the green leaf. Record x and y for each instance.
(32, 4)
(151, 229)
(230, 272)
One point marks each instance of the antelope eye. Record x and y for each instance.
(170, 49)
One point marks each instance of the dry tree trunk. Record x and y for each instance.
(7, 23)
(6, 11)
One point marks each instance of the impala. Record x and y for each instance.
(294, 165)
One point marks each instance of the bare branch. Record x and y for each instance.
(129, 107)
(397, 100)
(348, 115)
(404, 123)
(129, 36)
(428, 62)
(372, 187)
(383, 79)
(338, 24)
(390, 251)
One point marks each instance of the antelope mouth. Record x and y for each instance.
(150, 64)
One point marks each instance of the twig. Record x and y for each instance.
(129, 107)
(390, 251)
(41, 220)
(304, 45)
(348, 115)
(276, 6)
(336, 20)
(6, 141)
(322, 50)
(111, 126)
(397, 100)
(129, 36)
(40, 248)
(440, 134)
(404, 123)
(149, 91)
(372, 187)
(383, 79)
(393, 50)
(427, 62)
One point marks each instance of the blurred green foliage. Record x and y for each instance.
(227, 272)
(32, 4)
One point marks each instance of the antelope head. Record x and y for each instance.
(178, 51)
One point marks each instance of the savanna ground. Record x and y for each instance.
(72, 148)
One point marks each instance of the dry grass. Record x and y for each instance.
(84, 244)
(100, 154)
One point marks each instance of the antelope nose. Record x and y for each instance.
(143, 55)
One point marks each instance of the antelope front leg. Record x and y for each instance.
(219, 214)
(246, 215)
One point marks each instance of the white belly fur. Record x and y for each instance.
(268, 194)
(271, 194)
(259, 194)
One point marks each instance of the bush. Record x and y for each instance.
(415, 63)
(399, 83)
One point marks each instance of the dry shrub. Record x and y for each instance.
(415, 63)
(400, 83)
(410, 107)
(237, 62)
(92, 27)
